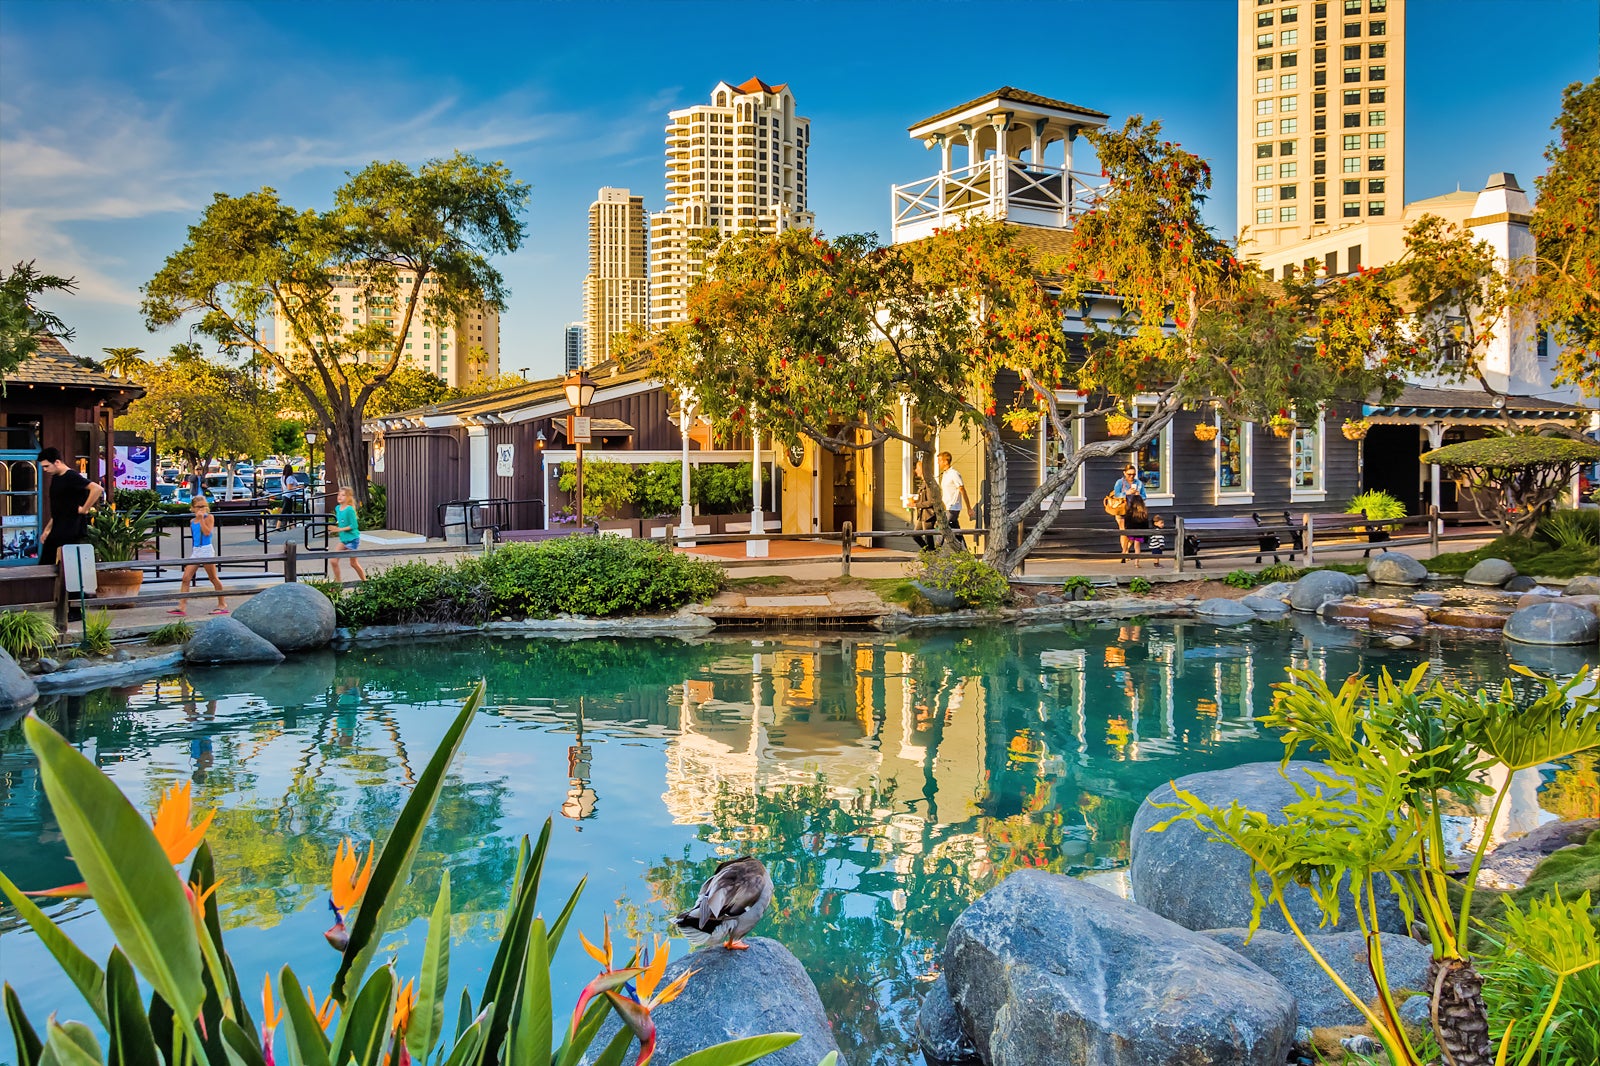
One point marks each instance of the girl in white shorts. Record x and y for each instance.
(202, 535)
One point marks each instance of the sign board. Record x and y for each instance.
(77, 567)
(580, 426)
(504, 454)
(133, 466)
(378, 450)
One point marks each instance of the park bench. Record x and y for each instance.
(1195, 535)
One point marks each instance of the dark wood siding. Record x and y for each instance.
(421, 471)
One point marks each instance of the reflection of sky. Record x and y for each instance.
(886, 780)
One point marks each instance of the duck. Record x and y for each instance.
(730, 903)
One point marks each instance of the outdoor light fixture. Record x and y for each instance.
(538, 439)
(579, 387)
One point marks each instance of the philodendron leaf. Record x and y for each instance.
(83, 971)
(739, 1052)
(126, 870)
(393, 868)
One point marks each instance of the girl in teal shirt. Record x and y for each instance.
(348, 525)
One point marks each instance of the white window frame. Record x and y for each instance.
(1075, 498)
(1318, 492)
(1247, 448)
(1164, 442)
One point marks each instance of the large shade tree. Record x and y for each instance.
(819, 339)
(418, 243)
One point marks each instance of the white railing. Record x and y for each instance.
(994, 188)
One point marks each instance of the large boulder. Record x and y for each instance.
(1553, 623)
(1320, 587)
(939, 1031)
(1199, 884)
(292, 616)
(1269, 599)
(1046, 969)
(226, 640)
(1321, 1003)
(1583, 585)
(1224, 611)
(736, 994)
(1491, 573)
(1395, 568)
(17, 690)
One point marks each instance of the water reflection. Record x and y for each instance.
(886, 781)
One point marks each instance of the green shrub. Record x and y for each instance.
(374, 514)
(1240, 579)
(1529, 555)
(608, 487)
(1375, 503)
(171, 633)
(722, 488)
(1571, 529)
(418, 592)
(1140, 587)
(1278, 572)
(97, 632)
(658, 489)
(136, 499)
(973, 582)
(27, 634)
(1078, 588)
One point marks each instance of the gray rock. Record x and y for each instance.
(1045, 969)
(1553, 623)
(1303, 1036)
(1361, 1044)
(1520, 583)
(1398, 641)
(226, 640)
(1417, 1012)
(1276, 589)
(292, 616)
(736, 994)
(1395, 568)
(1046, 599)
(1491, 573)
(1583, 585)
(1427, 599)
(1513, 862)
(944, 1042)
(17, 690)
(1269, 599)
(1223, 610)
(48, 665)
(1320, 1001)
(1187, 879)
(1319, 587)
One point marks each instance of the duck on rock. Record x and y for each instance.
(731, 902)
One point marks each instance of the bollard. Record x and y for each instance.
(488, 541)
(291, 572)
(1177, 556)
(846, 536)
(1434, 522)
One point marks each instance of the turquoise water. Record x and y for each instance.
(886, 781)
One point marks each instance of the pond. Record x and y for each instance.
(886, 780)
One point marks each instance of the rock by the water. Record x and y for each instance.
(1345, 613)
(1490, 573)
(1463, 618)
(292, 616)
(1427, 599)
(226, 640)
(1398, 618)
(1221, 609)
(1269, 599)
(1398, 641)
(1520, 583)
(1538, 594)
(1319, 587)
(1591, 602)
(17, 690)
(1583, 585)
(1554, 622)
(1321, 1003)
(1395, 568)
(48, 665)
(736, 994)
(1046, 969)
(1187, 879)
(944, 1042)
(1512, 863)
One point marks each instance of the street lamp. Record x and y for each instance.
(579, 387)
(311, 467)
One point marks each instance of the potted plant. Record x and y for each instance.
(1376, 504)
(118, 537)
(1205, 431)
(1118, 424)
(1355, 428)
(1281, 425)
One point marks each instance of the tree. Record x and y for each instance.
(483, 385)
(22, 320)
(203, 410)
(417, 243)
(124, 362)
(1515, 478)
(1563, 287)
(404, 390)
(815, 339)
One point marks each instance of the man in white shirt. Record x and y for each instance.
(954, 491)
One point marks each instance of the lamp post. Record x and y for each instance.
(311, 467)
(579, 387)
(685, 533)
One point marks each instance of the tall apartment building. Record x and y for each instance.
(460, 352)
(572, 347)
(736, 163)
(1321, 117)
(616, 291)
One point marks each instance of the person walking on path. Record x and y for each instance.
(954, 492)
(1136, 520)
(1128, 486)
(72, 497)
(347, 523)
(203, 547)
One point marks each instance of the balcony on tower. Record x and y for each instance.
(993, 154)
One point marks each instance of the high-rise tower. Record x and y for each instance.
(1321, 117)
(616, 291)
(736, 163)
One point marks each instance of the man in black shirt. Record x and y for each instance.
(72, 497)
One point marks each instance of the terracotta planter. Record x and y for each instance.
(112, 583)
(1118, 425)
(1205, 431)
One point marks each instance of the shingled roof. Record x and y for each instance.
(54, 365)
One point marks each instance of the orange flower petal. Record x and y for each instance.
(652, 973)
(672, 991)
(269, 1008)
(171, 824)
(594, 953)
(348, 884)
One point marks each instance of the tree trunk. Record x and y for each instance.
(346, 458)
(1460, 1020)
(999, 520)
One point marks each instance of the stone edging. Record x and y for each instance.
(682, 623)
(107, 675)
(1079, 610)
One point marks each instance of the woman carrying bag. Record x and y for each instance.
(1116, 503)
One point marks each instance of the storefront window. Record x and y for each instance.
(1154, 459)
(1233, 457)
(1305, 455)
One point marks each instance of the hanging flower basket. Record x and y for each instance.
(1118, 424)
(1205, 431)
(1280, 426)
(1355, 428)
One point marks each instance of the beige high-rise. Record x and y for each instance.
(1321, 117)
(737, 163)
(616, 291)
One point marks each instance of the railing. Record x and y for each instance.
(998, 188)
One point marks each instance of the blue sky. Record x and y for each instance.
(118, 120)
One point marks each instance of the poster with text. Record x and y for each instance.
(133, 467)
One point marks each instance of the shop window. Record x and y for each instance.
(1233, 459)
(1305, 458)
(1154, 459)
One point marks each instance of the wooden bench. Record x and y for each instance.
(1343, 527)
(1195, 535)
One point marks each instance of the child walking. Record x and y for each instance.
(348, 525)
(1156, 543)
(203, 545)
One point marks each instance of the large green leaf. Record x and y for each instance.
(80, 969)
(132, 1041)
(427, 1017)
(27, 1039)
(241, 1047)
(506, 970)
(739, 1052)
(469, 1041)
(308, 1044)
(133, 884)
(202, 872)
(393, 868)
(70, 1044)
(616, 1050)
(364, 1024)
(532, 1028)
(559, 926)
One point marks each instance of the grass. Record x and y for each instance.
(896, 590)
(171, 633)
(1533, 557)
(97, 632)
(763, 581)
(27, 634)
